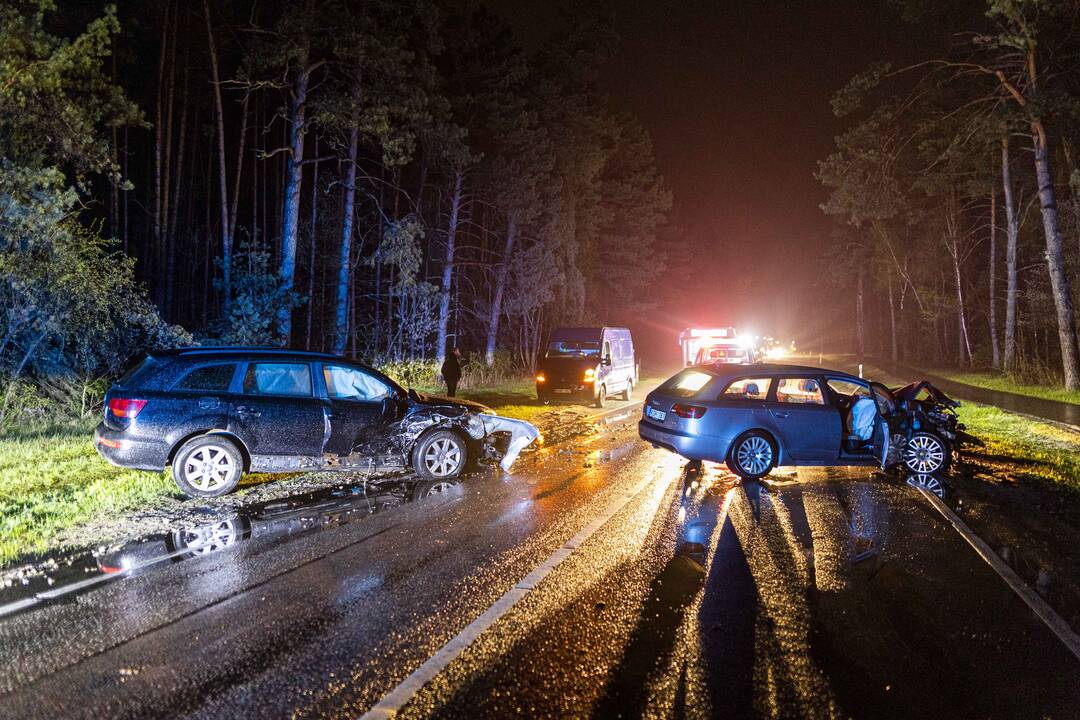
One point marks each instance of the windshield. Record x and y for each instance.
(573, 348)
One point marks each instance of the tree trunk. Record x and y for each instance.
(341, 317)
(170, 235)
(1055, 258)
(448, 266)
(239, 165)
(294, 173)
(894, 354)
(995, 347)
(311, 246)
(223, 189)
(860, 317)
(1012, 234)
(501, 275)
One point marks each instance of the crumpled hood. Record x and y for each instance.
(422, 400)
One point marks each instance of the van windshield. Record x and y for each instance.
(573, 348)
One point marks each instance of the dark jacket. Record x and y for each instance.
(451, 368)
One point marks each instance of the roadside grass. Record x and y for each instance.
(52, 480)
(1004, 383)
(1038, 450)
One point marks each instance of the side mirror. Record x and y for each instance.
(606, 360)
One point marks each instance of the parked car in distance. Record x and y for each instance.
(588, 364)
(757, 417)
(216, 413)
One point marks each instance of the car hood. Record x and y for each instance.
(423, 400)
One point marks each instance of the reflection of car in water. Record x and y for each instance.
(587, 364)
(276, 518)
(759, 416)
(215, 413)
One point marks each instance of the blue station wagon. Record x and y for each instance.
(756, 417)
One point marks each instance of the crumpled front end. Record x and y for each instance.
(496, 438)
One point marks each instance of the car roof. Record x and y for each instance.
(773, 369)
(247, 351)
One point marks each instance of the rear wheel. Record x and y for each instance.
(207, 466)
(926, 454)
(440, 455)
(752, 456)
(628, 393)
(601, 396)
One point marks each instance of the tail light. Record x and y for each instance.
(690, 412)
(126, 407)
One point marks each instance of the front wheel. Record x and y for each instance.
(752, 456)
(601, 396)
(926, 454)
(207, 466)
(440, 455)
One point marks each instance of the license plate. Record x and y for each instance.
(561, 391)
(653, 413)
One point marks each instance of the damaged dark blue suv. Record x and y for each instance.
(215, 413)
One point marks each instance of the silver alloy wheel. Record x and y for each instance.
(924, 454)
(754, 455)
(442, 457)
(209, 468)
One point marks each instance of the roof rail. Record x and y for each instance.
(263, 349)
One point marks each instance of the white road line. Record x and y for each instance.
(1053, 621)
(393, 701)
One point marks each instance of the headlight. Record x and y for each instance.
(590, 374)
(540, 378)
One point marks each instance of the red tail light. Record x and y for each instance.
(126, 407)
(690, 412)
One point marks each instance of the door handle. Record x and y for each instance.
(208, 403)
(780, 413)
(247, 412)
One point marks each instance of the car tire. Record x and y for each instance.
(440, 455)
(601, 396)
(207, 466)
(752, 456)
(926, 454)
(628, 393)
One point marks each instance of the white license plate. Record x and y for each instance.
(658, 415)
(561, 391)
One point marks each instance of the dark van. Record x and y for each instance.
(587, 364)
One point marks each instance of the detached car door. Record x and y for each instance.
(809, 428)
(360, 411)
(279, 415)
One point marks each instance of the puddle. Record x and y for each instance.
(62, 575)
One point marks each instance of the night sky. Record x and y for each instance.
(736, 96)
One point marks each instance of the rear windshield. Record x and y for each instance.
(135, 371)
(687, 384)
(573, 348)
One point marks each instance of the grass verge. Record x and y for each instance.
(1036, 450)
(1003, 383)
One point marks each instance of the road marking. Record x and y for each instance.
(1051, 619)
(396, 699)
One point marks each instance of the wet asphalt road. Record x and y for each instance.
(826, 594)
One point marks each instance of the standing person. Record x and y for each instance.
(451, 371)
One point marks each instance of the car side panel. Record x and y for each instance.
(810, 433)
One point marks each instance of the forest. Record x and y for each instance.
(955, 188)
(383, 179)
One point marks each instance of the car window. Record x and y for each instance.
(747, 389)
(799, 391)
(278, 379)
(847, 388)
(573, 348)
(215, 378)
(884, 402)
(686, 384)
(348, 383)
